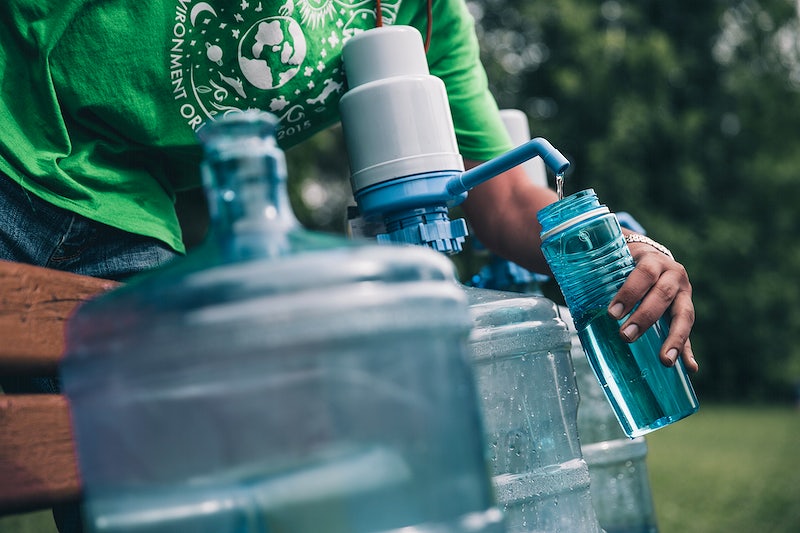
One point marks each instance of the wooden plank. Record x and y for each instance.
(38, 463)
(35, 303)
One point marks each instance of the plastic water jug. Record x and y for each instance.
(583, 244)
(521, 355)
(620, 483)
(278, 380)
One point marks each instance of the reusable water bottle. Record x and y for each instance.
(277, 379)
(584, 246)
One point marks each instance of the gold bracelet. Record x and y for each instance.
(636, 237)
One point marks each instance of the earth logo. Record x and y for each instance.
(283, 57)
(271, 52)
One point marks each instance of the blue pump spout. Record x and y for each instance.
(465, 181)
(414, 208)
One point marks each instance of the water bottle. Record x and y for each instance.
(277, 379)
(584, 246)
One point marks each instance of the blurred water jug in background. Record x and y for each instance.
(521, 355)
(583, 244)
(617, 464)
(278, 380)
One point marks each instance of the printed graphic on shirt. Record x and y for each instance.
(282, 57)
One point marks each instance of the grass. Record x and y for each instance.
(728, 469)
(40, 522)
(725, 469)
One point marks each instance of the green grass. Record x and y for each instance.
(41, 522)
(728, 469)
(724, 469)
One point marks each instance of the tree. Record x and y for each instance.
(686, 115)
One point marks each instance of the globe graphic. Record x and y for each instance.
(271, 52)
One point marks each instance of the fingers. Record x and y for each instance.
(654, 284)
(688, 358)
(658, 284)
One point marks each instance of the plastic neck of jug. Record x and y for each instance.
(244, 175)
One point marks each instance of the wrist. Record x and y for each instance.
(639, 238)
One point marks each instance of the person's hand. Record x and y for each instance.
(660, 284)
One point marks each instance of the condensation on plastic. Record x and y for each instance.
(521, 356)
(620, 483)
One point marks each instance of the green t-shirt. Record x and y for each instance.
(101, 101)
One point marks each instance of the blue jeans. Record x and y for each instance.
(35, 232)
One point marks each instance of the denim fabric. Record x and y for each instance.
(33, 231)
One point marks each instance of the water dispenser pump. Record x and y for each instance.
(406, 170)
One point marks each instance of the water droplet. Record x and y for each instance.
(560, 185)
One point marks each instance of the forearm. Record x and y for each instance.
(502, 214)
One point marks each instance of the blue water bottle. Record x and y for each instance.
(583, 243)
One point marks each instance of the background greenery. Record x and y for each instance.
(727, 469)
(685, 114)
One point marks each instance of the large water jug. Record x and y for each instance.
(407, 172)
(620, 483)
(278, 380)
(521, 355)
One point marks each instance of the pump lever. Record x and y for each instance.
(464, 181)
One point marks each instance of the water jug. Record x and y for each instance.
(521, 355)
(406, 171)
(620, 483)
(498, 272)
(583, 244)
(277, 379)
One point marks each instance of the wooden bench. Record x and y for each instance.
(38, 466)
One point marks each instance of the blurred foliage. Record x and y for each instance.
(683, 113)
(320, 181)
